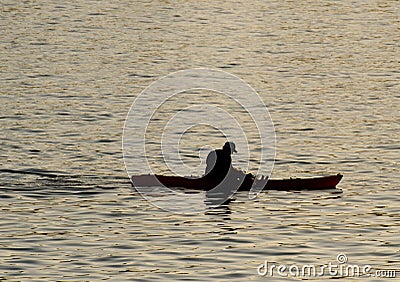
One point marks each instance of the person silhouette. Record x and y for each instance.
(219, 162)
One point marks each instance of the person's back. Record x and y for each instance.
(219, 162)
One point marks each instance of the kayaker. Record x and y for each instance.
(219, 162)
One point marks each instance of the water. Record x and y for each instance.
(328, 72)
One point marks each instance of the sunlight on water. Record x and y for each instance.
(328, 72)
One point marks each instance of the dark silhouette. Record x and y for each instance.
(219, 162)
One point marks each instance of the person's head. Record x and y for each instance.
(229, 147)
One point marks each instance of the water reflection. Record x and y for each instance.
(222, 210)
(69, 73)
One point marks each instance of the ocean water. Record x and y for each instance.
(328, 72)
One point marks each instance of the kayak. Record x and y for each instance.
(316, 183)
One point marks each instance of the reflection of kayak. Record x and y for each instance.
(317, 183)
